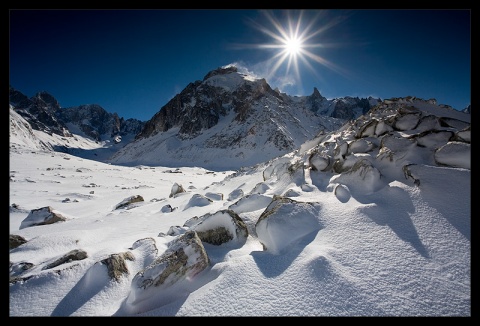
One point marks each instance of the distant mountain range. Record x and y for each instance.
(44, 113)
(228, 120)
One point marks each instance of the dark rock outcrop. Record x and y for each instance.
(129, 200)
(230, 227)
(185, 257)
(234, 114)
(42, 216)
(116, 264)
(76, 254)
(44, 113)
(16, 240)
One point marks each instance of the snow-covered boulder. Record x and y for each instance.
(42, 216)
(286, 221)
(221, 227)
(198, 200)
(250, 203)
(184, 259)
(454, 154)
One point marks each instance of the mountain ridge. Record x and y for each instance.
(233, 115)
(44, 113)
(227, 120)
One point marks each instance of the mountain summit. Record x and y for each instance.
(232, 119)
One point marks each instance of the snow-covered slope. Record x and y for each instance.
(23, 137)
(43, 113)
(372, 219)
(228, 120)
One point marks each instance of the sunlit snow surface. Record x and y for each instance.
(341, 245)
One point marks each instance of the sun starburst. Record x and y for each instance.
(294, 41)
(293, 46)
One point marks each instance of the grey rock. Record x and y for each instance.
(76, 254)
(185, 258)
(16, 240)
(42, 216)
(230, 227)
(176, 189)
(129, 200)
(116, 264)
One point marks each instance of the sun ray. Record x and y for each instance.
(293, 40)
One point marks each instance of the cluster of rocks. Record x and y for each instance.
(394, 133)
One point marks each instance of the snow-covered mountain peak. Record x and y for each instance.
(230, 78)
(228, 120)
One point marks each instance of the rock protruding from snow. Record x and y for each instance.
(342, 193)
(235, 194)
(198, 200)
(362, 177)
(250, 203)
(392, 136)
(464, 135)
(454, 154)
(16, 241)
(214, 196)
(42, 216)
(76, 254)
(116, 264)
(176, 230)
(17, 269)
(167, 208)
(285, 222)
(319, 162)
(221, 227)
(176, 189)
(128, 201)
(184, 259)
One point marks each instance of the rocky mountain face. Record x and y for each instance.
(346, 108)
(95, 122)
(232, 119)
(201, 104)
(39, 111)
(22, 135)
(44, 113)
(228, 120)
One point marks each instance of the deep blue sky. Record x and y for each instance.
(134, 61)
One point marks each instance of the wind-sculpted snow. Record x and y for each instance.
(198, 200)
(371, 219)
(456, 154)
(250, 203)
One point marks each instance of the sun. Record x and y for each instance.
(293, 46)
(293, 40)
